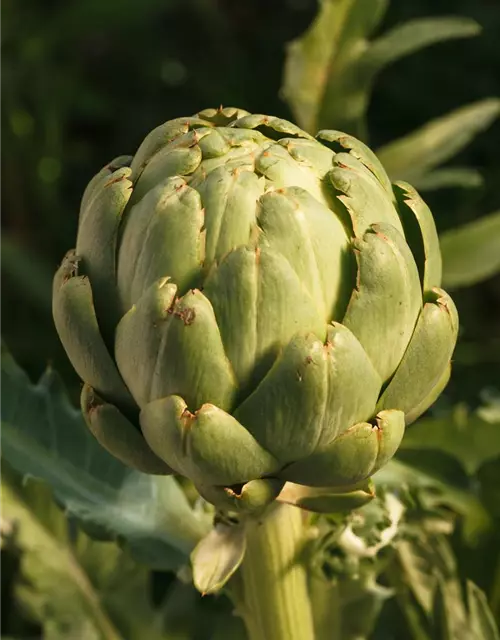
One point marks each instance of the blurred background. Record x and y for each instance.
(85, 80)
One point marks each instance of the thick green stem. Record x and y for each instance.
(276, 603)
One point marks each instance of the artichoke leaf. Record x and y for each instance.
(210, 446)
(191, 360)
(139, 336)
(328, 499)
(272, 305)
(354, 456)
(281, 170)
(163, 237)
(314, 392)
(362, 194)
(229, 197)
(426, 360)
(97, 240)
(100, 178)
(251, 497)
(217, 556)
(431, 397)
(160, 137)
(119, 436)
(311, 153)
(421, 234)
(387, 300)
(213, 144)
(271, 126)
(180, 157)
(313, 241)
(223, 116)
(341, 142)
(78, 329)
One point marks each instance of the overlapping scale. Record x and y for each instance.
(362, 194)
(118, 435)
(97, 241)
(387, 299)
(77, 326)
(209, 446)
(355, 455)
(163, 237)
(230, 199)
(271, 306)
(315, 391)
(424, 365)
(420, 233)
(314, 242)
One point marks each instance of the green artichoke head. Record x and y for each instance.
(249, 305)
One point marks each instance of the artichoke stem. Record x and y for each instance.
(276, 603)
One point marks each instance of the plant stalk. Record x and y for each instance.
(276, 604)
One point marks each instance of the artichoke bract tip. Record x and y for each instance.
(250, 305)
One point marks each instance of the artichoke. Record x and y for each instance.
(250, 305)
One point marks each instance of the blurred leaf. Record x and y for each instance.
(187, 615)
(471, 253)
(330, 70)
(30, 275)
(418, 34)
(428, 568)
(461, 177)
(435, 492)
(217, 557)
(346, 556)
(55, 588)
(412, 157)
(43, 436)
(328, 499)
(74, 586)
(123, 585)
(468, 437)
(482, 621)
(426, 559)
(489, 481)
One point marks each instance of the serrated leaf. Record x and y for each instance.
(217, 557)
(471, 253)
(427, 575)
(481, 618)
(455, 621)
(465, 436)
(45, 437)
(435, 492)
(330, 70)
(427, 562)
(74, 586)
(54, 589)
(412, 157)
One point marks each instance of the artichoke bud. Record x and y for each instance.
(250, 306)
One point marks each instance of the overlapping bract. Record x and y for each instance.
(249, 305)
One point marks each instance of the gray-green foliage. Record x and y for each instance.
(43, 436)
